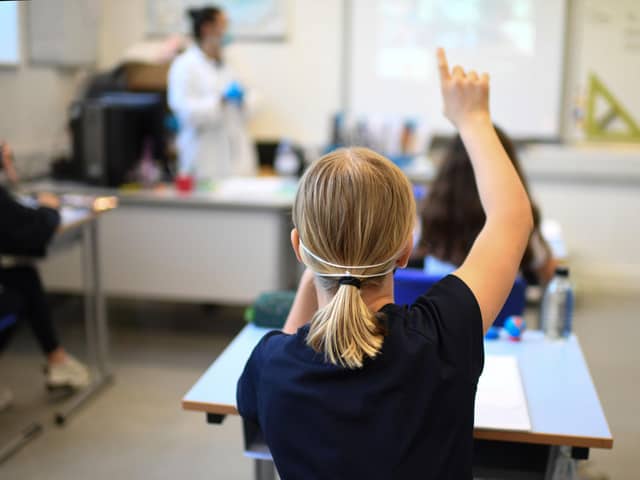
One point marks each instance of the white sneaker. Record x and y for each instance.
(6, 398)
(70, 373)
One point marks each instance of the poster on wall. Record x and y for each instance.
(249, 20)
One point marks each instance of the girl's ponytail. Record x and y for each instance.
(346, 330)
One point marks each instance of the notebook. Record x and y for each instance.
(501, 403)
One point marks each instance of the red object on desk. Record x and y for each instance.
(184, 183)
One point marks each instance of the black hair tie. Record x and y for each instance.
(353, 281)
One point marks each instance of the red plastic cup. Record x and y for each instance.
(184, 183)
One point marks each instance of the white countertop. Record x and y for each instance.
(259, 192)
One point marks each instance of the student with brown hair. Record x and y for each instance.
(356, 386)
(452, 217)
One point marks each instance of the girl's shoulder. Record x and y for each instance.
(449, 306)
(271, 340)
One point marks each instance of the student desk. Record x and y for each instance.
(563, 407)
(195, 247)
(78, 226)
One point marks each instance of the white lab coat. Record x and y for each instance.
(213, 142)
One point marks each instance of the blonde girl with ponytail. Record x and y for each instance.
(356, 386)
(354, 216)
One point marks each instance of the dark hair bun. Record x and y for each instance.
(200, 16)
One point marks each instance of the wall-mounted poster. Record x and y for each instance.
(249, 19)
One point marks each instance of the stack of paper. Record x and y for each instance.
(501, 403)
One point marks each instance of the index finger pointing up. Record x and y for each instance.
(443, 65)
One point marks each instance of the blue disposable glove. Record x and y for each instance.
(234, 93)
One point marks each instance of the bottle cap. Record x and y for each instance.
(562, 271)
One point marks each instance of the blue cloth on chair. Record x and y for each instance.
(9, 308)
(7, 321)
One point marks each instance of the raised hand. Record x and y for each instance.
(465, 94)
(498, 248)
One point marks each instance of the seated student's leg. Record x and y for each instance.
(63, 369)
(25, 281)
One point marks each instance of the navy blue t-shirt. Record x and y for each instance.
(408, 413)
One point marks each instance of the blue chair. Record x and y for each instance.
(9, 305)
(7, 322)
(410, 283)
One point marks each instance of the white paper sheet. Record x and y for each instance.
(70, 215)
(261, 187)
(501, 403)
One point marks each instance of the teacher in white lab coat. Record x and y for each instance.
(210, 104)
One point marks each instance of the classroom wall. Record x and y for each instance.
(599, 217)
(298, 80)
(601, 230)
(605, 42)
(594, 192)
(297, 102)
(33, 103)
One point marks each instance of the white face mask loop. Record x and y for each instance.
(348, 268)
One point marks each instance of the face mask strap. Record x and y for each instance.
(347, 268)
(355, 275)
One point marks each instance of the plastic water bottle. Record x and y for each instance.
(286, 162)
(556, 311)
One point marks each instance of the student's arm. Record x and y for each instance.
(494, 259)
(304, 305)
(25, 230)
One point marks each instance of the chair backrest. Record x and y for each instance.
(410, 283)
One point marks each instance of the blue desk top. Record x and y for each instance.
(563, 402)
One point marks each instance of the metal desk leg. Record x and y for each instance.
(554, 453)
(256, 448)
(95, 321)
(19, 441)
(561, 464)
(264, 470)
(100, 312)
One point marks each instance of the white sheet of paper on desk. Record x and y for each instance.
(501, 403)
(69, 215)
(243, 187)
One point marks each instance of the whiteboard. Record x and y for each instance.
(392, 68)
(609, 41)
(9, 33)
